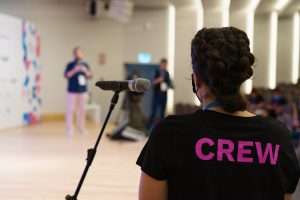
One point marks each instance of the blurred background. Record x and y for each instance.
(120, 38)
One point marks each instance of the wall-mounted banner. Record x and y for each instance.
(20, 78)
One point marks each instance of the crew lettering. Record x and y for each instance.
(222, 150)
(199, 152)
(245, 151)
(262, 157)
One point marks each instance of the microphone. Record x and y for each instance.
(136, 85)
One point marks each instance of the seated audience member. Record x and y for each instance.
(256, 103)
(255, 97)
(278, 99)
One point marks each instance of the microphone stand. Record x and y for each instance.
(92, 152)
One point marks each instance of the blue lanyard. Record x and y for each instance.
(211, 105)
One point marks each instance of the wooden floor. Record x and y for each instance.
(41, 163)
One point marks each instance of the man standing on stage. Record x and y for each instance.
(77, 72)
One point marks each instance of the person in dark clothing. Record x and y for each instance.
(161, 84)
(222, 151)
(278, 99)
(277, 104)
(257, 103)
(255, 97)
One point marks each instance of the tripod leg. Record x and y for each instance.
(68, 197)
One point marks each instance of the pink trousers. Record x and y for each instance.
(76, 101)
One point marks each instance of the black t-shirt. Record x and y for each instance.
(78, 82)
(212, 156)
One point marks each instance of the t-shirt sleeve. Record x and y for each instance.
(68, 68)
(156, 74)
(289, 164)
(155, 157)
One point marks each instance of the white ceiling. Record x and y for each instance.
(292, 8)
(239, 5)
(162, 3)
(264, 6)
(267, 6)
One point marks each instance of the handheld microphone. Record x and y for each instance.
(136, 85)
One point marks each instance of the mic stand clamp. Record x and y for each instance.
(92, 152)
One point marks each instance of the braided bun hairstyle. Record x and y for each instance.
(221, 59)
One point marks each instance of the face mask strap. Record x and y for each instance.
(195, 89)
(193, 84)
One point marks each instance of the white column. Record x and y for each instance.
(244, 20)
(284, 50)
(273, 50)
(200, 22)
(267, 70)
(225, 13)
(189, 20)
(217, 16)
(171, 53)
(296, 50)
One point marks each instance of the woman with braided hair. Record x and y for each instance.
(222, 151)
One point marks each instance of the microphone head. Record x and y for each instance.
(141, 85)
(136, 85)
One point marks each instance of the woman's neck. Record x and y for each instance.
(245, 113)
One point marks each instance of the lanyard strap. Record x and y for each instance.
(211, 105)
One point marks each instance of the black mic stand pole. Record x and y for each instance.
(92, 152)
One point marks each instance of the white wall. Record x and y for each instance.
(212, 13)
(284, 50)
(137, 38)
(146, 32)
(212, 18)
(186, 21)
(261, 50)
(299, 56)
(63, 26)
(239, 20)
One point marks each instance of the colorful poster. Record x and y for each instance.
(32, 78)
(20, 87)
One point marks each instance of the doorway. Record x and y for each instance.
(146, 71)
